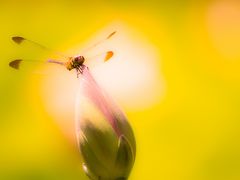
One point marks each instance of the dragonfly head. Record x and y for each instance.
(78, 60)
(74, 62)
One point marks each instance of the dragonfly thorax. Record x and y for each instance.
(75, 62)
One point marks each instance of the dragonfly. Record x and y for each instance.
(71, 62)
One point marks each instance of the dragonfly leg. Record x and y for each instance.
(80, 69)
(78, 72)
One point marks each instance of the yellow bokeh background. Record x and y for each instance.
(185, 112)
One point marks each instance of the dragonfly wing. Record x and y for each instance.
(99, 58)
(99, 42)
(110, 35)
(17, 63)
(18, 39)
(24, 41)
(108, 55)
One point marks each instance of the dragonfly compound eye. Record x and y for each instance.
(80, 59)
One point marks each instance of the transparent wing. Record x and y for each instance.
(32, 63)
(98, 58)
(99, 42)
(90, 61)
(18, 63)
(26, 42)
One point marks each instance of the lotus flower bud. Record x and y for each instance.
(105, 138)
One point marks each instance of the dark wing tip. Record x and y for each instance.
(110, 35)
(18, 39)
(109, 54)
(15, 63)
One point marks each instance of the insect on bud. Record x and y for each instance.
(105, 138)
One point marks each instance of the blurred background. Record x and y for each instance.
(175, 74)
